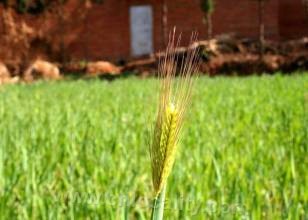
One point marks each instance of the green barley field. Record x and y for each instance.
(78, 149)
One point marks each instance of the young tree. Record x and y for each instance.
(207, 7)
(261, 27)
(261, 12)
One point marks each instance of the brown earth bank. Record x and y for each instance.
(228, 55)
(224, 55)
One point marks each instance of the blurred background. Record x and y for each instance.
(102, 37)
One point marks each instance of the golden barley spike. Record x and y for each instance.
(175, 95)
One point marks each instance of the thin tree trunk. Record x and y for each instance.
(261, 28)
(86, 39)
(165, 22)
(209, 25)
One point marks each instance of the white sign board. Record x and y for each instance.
(141, 30)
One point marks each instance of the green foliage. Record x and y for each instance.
(207, 6)
(98, 1)
(37, 6)
(22, 5)
(77, 150)
(27, 6)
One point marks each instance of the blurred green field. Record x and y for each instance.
(78, 150)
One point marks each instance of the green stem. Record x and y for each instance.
(158, 205)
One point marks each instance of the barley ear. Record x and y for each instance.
(173, 100)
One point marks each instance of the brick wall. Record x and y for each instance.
(241, 17)
(293, 20)
(108, 31)
(105, 33)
